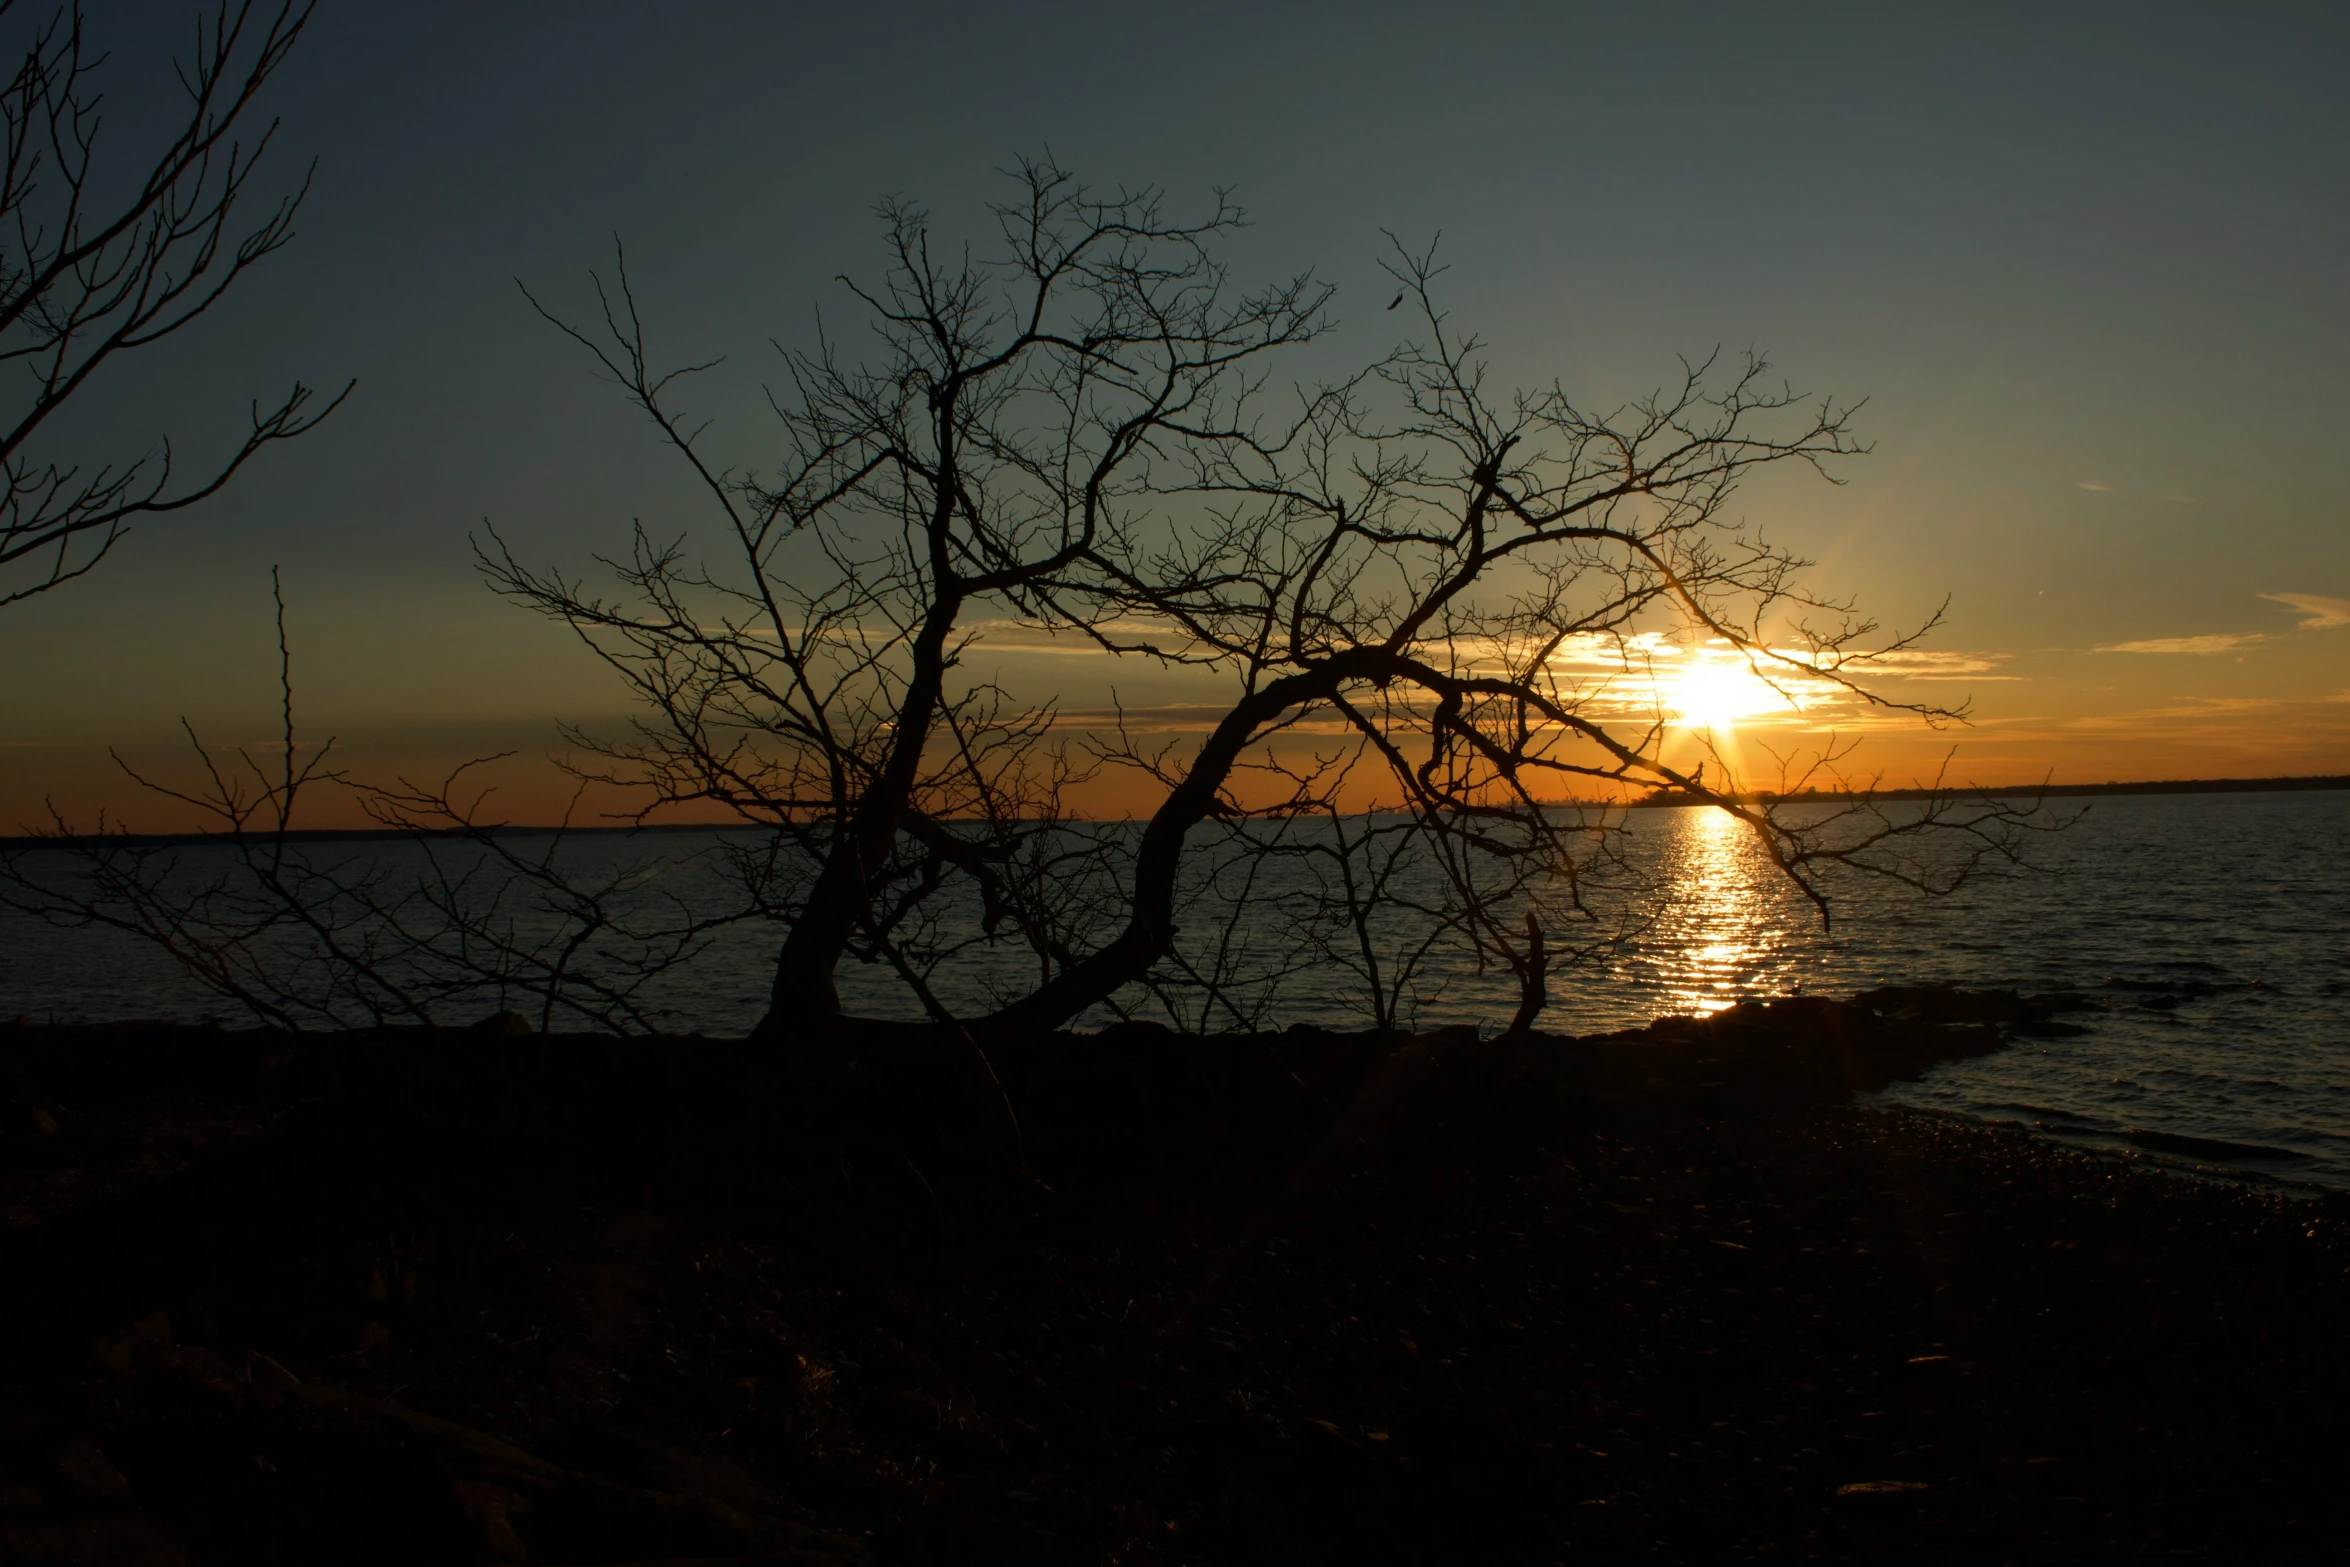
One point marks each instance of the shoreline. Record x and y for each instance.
(2204, 1162)
(2309, 784)
(1664, 1295)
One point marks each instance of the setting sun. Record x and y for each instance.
(1716, 694)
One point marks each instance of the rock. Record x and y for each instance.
(565, 1512)
(270, 1381)
(486, 1508)
(969, 1538)
(117, 1540)
(463, 1451)
(84, 1463)
(1802, 1049)
(1946, 1004)
(2203, 1147)
(2047, 1028)
(638, 1456)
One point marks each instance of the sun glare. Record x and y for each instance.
(1714, 694)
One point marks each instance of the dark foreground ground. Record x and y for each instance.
(1309, 1298)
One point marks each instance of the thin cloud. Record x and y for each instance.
(2207, 709)
(2217, 642)
(2322, 613)
(1932, 664)
(2092, 484)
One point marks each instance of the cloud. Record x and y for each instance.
(1181, 718)
(2144, 720)
(2217, 642)
(2319, 613)
(1930, 664)
(2092, 484)
(2322, 612)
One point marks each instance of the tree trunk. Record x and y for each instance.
(1150, 927)
(803, 986)
(1533, 986)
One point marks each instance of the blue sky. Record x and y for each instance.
(2086, 263)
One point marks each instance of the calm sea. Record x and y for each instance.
(2211, 933)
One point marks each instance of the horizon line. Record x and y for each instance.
(1660, 799)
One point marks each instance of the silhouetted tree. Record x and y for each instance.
(101, 256)
(1026, 415)
(1074, 435)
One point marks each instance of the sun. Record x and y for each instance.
(1716, 694)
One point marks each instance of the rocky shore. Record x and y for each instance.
(408, 1296)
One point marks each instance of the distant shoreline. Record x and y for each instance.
(2028, 791)
(1651, 802)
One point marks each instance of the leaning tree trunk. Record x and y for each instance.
(804, 989)
(1150, 924)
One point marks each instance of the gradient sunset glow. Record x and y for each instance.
(2079, 276)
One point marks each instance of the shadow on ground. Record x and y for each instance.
(1313, 1297)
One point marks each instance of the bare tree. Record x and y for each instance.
(100, 260)
(442, 910)
(1435, 611)
(1458, 590)
(1421, 564)
(1018, 420)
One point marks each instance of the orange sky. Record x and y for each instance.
(2270, 702)
(2087, 282)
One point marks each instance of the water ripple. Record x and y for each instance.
(2213, 931)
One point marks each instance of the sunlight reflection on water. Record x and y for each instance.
(2213, 932)
(1720, 933)
(2211, 935)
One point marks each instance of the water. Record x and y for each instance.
(2213, 932)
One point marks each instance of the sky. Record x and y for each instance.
(2085, 264)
